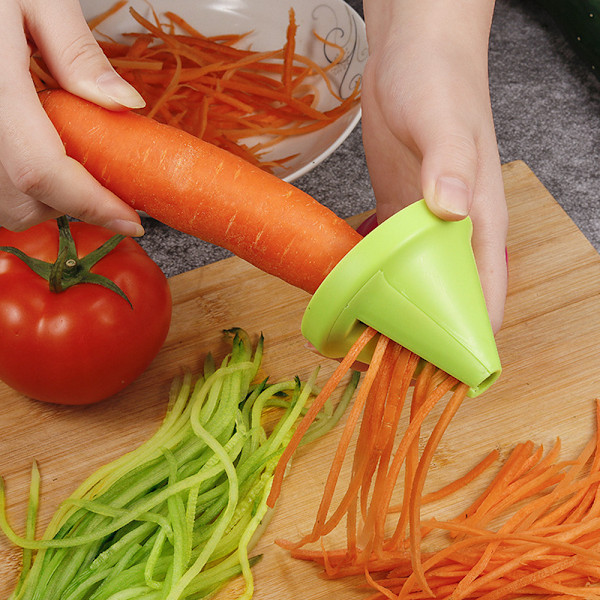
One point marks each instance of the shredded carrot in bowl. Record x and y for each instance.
(208, 86)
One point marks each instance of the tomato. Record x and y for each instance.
(86, 343)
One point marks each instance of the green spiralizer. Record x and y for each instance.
(413, 279)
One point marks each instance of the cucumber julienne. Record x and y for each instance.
(177, 517)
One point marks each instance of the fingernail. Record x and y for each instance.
(129, 228)
(367, 225)
(453, 196)
(118, 90)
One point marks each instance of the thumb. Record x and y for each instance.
(448, 174)
(74, 58)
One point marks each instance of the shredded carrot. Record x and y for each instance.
(219, 92)
(289, 52)
(343, 368)
(457, 484)
(547, 544)
(93, 23)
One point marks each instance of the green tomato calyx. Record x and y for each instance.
(68, 269)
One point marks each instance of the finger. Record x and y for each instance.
(490, 226)
(73, 56)
(449, 167)
(462, 176)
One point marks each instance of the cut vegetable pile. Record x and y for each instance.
(177, 517)
(218, 91)
(534, 531)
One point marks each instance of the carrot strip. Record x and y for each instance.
(289, 52)
(461, 482)
(370, 447)
(383, 444)
(322, 525)
(421, 390)
(398, 460)
(169, 90)
(314, 409)
(419, 480)
(505, 474)
(340, 51)
(402, 377)
(93, 23)
(511, 498)
(140, 63)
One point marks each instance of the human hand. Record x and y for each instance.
(37, 180)
(427, 123)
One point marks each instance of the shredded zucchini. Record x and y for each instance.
(177, 517)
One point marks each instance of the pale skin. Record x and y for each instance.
(427, 123)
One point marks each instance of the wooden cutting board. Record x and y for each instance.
(548, 346)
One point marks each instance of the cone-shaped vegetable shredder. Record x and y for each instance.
(413, 279)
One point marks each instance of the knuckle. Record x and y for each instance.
(79, 52)
(19, 224)
(461, 145)
(33, 181)
(85, 213)
(21, 214)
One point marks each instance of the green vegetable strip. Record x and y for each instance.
(176, 518)
(30, 525)
(77, 591)
(232, 499)
(246, 538)
(258, 433)
(323, 426)
(152, 560)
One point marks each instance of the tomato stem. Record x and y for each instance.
(69, 269)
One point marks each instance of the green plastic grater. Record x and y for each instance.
(413, 279)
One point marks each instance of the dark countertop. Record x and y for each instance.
(546, 105)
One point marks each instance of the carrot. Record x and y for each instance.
(203, 190)
(93, 23)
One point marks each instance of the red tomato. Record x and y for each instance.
(86, 343)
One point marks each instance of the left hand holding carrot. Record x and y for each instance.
(37, 180)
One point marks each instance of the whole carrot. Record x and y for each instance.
(203, 190)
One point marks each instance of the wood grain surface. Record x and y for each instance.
(551, 376)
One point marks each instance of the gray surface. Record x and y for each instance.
(546, 106)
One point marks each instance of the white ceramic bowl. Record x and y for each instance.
(333, 20)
